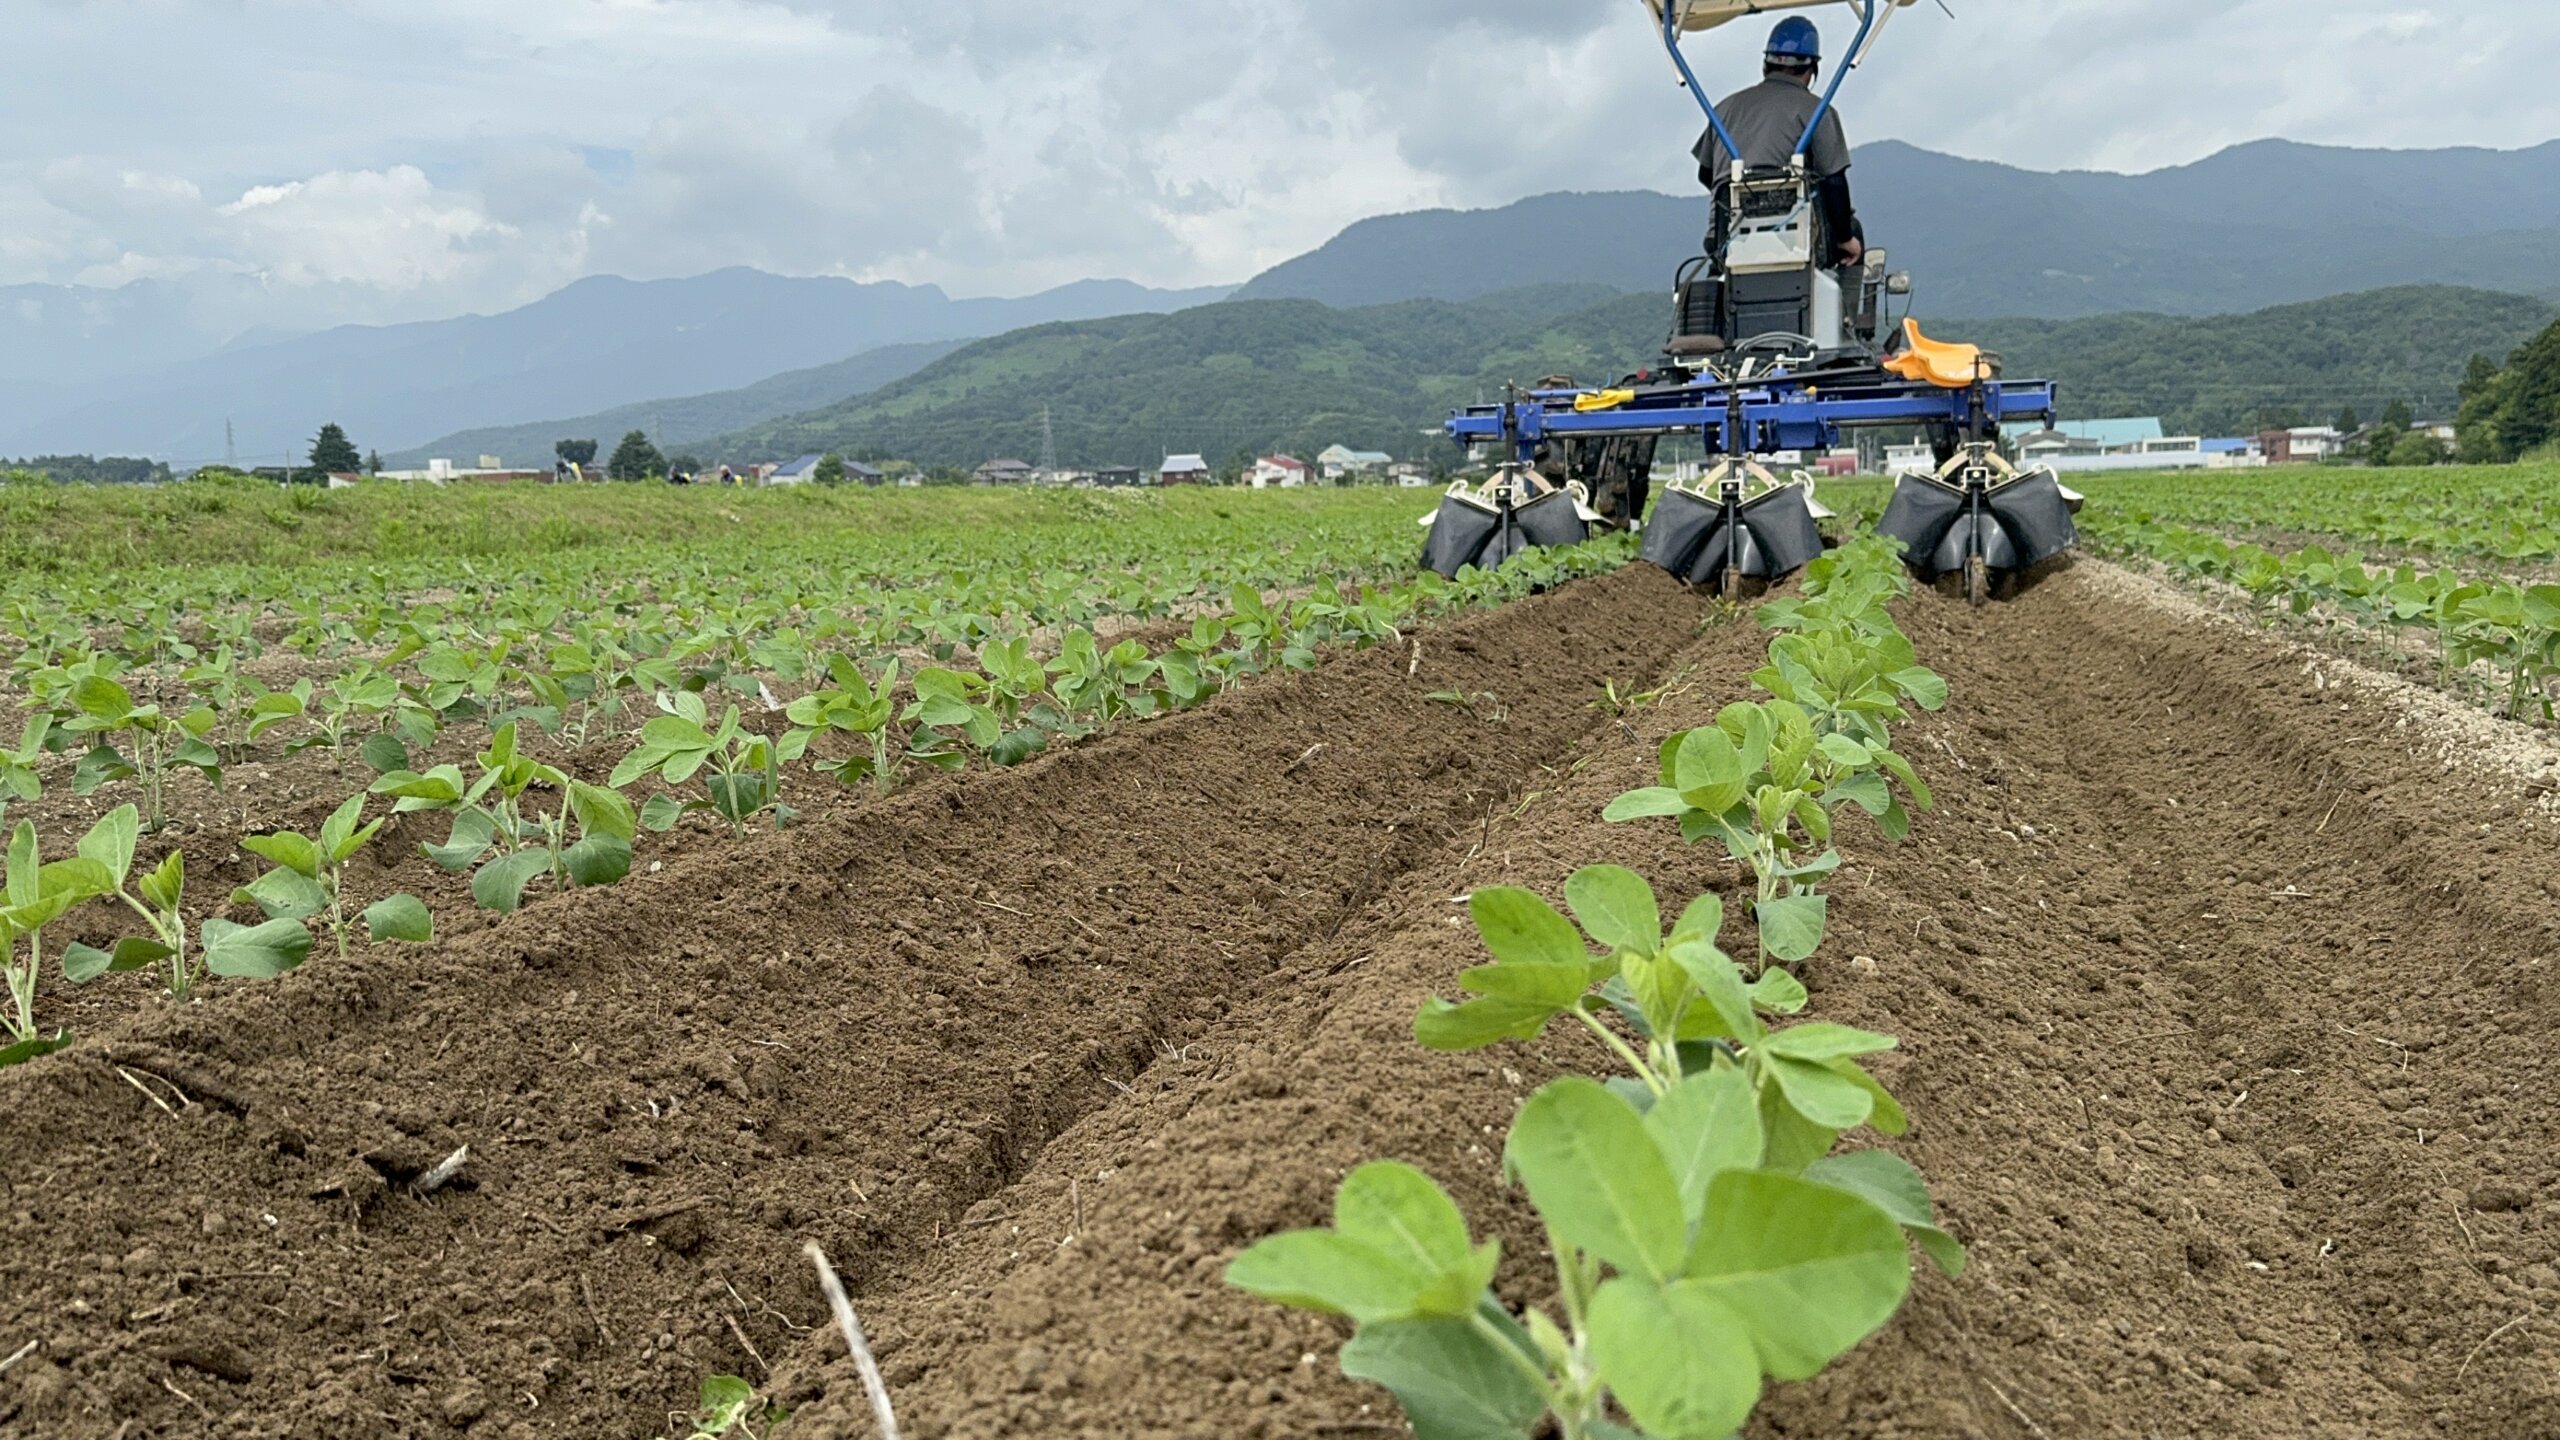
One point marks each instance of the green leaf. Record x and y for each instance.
(600, 811)
(1702, 920)
(1888, 1118)
(383, 753)
(399, 917)
(1402, 1214)
(1678, 1357)
(284, 895)
(1597, 1177)
(1519, 927)
(1328, 1271)
(1844, 752)
(1708, 771)
(82, 963)
(110, 842)
(597, 860)
(166, 885)
(1791, 927)
(76, 880)
(1821, 1094)
(473, 833)
(1778, 992)
(499, 885)
(340, 828)
(1479, 1023)
(1811, 1269)
(101, 698)
(1719, 982)
(1453, 1380)
(663, 811)
(438, 789)
(1822, 1040)
(294, 852)
(256, 952)
(1616, 907)
(1708, 1124)
(1650, 804)
(1890, 1184)
(31, 1047)
(1925, 687)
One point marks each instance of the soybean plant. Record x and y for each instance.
(159, 900)
(104, 709)
(34, 896)
(741, 771)
(491, 823)
(309, 881)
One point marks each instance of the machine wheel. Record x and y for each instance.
(1977, 581)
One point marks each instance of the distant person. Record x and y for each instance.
(728, 476)
(1769, 118)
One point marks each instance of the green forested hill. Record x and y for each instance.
(1224, 380)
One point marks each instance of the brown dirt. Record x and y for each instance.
(2222, 989)
(857, 1033)
(2233, 1158)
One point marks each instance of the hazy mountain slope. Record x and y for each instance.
(1261, 375)
(687, 420)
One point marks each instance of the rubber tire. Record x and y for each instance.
(1977, 581)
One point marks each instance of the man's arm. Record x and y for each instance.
(1840, 217)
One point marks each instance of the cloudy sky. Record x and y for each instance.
(387, 159)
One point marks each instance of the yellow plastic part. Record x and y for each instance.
(1937, 362)
(1602, 400)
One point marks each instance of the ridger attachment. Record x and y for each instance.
(1981, 517)
(1515, 510)
(1737, 522)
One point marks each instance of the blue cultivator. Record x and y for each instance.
(1773, 348)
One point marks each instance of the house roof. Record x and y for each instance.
(1369, 457)
(805, 465)
(1285, 462)
(1004, 464)
(1183, 465)
(2223, 446)
(2114, 432)
(856, 467)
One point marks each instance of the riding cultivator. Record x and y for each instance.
(1781, 343)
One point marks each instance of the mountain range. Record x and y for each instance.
(602, 341)
(136, 370)
(1296, 375)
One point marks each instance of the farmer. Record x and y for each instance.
(1769, 118)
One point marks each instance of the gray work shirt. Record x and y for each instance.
(1766, 121)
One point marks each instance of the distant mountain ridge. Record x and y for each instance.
(2260, 224)
(597, 343)
(1254, 376)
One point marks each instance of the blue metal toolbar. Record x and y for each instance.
(1757, 416)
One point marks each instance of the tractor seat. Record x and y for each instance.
(1940, 363)
(1694, 347)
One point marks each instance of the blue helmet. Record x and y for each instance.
(1796, 41)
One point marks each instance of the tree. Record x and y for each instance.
(576, 452)
(332, 453)
(373, 462)
(830, 470)
(2511, 412)
(2348, 422)
(2387, 432)
(2416, 447)
(635, 459)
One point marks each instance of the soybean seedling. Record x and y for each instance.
(858, 707)
(159, 900)
(34, 896)
(1703, 1237)
(510, 845)
(728, 1408)
(741, 771)
(309, 881)
(104, 709)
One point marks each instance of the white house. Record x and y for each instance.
(1282, 472)
(1410, 474)
(795, 472)
(1340, 463)
(1183, 470)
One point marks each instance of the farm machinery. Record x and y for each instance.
(1774, 348)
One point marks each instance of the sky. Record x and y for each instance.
(379, 160)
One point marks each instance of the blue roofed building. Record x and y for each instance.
(798, 472)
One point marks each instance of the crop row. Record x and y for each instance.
(2508, 513)
(1705, 1234)
(518, 823)
(2506, 630)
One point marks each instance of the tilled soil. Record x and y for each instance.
(2222, 994)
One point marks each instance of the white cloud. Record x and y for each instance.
(376, 160)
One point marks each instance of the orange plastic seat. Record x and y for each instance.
(1937, 362)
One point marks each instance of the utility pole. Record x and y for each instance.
(230, 446)
(1048, 444)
